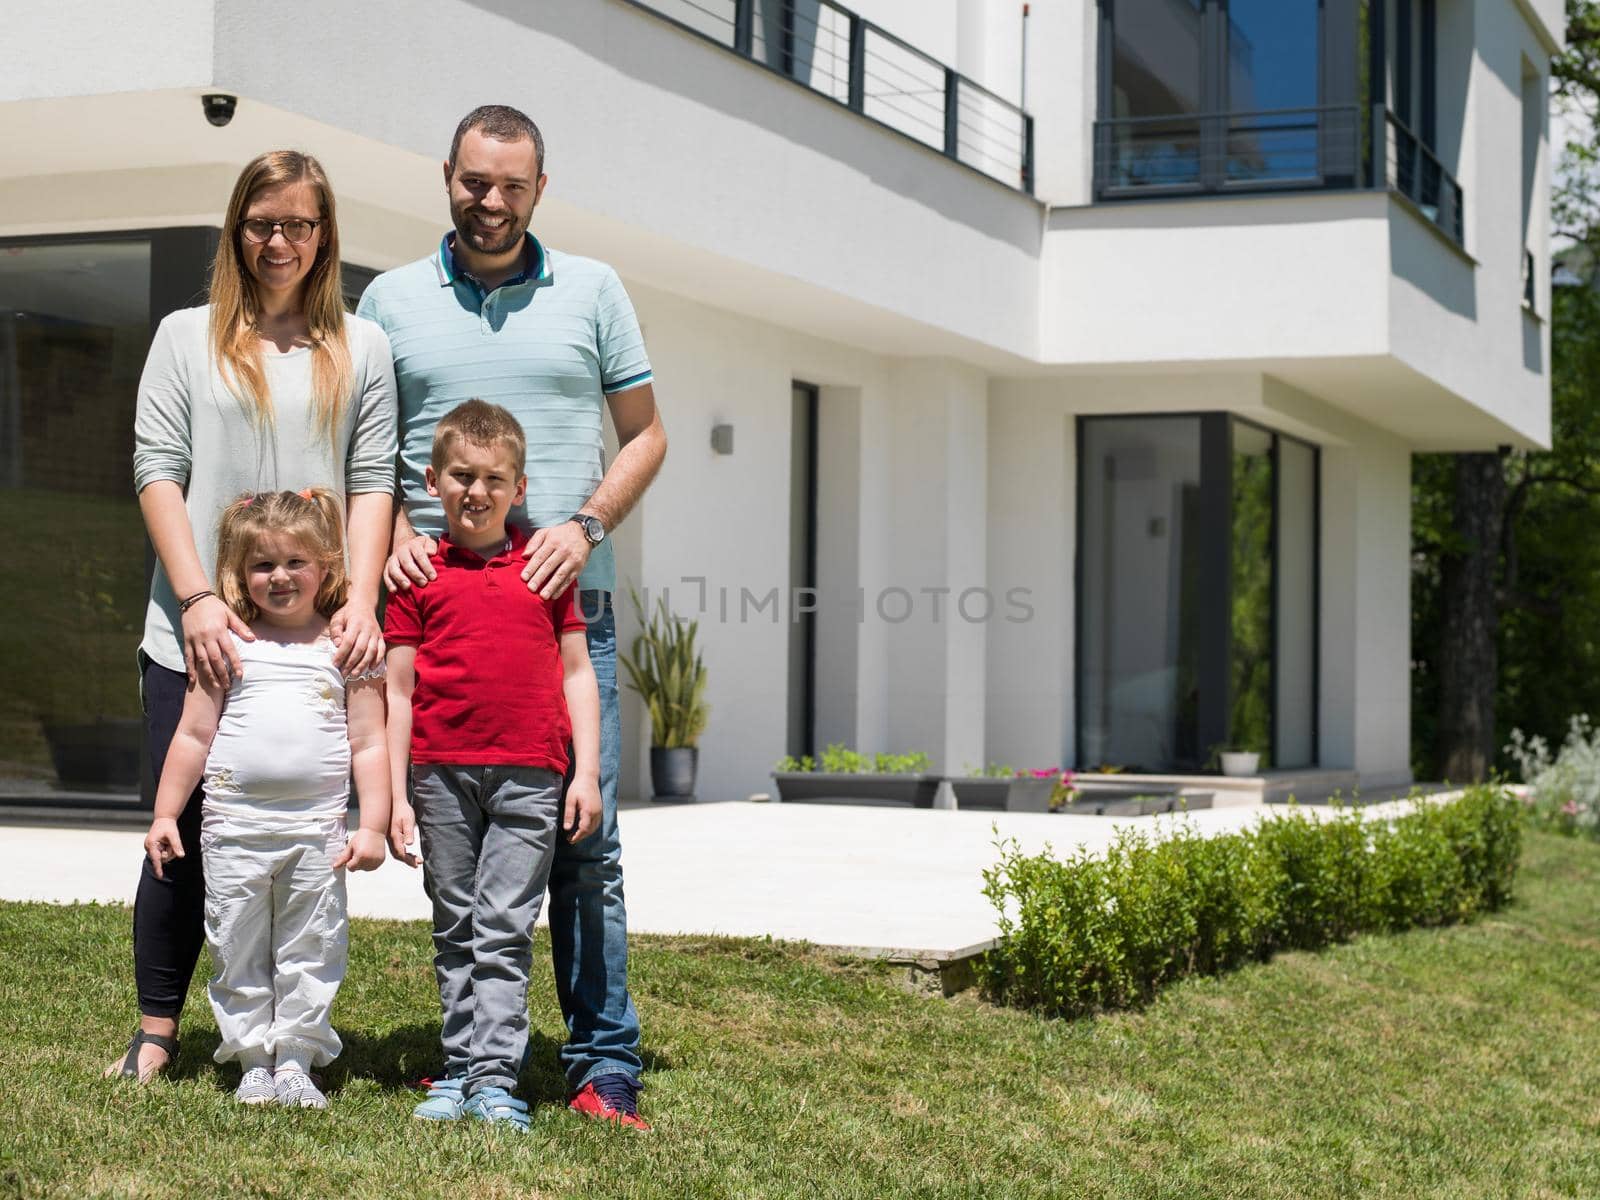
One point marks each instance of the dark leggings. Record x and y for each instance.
(168, 914)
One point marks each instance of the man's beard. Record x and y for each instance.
(511, 233)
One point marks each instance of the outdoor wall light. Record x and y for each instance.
(722, 439)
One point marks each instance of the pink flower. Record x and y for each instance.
(1570, 808)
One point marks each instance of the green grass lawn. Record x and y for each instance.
(1453, 1063)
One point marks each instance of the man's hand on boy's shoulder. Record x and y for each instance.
(409, 563)
(556, 557)
(582, 815)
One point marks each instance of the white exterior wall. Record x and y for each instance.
(89, 48)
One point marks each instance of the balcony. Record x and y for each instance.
(1285, 149)
(836, 53)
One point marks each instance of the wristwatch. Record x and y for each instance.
(592, 528)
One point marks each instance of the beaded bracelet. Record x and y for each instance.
(186, 604)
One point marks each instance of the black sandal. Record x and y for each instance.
(130, 1064)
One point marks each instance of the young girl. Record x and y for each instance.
(275, 751)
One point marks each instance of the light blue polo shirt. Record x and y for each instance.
(548, 345)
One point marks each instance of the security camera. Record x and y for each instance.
(219, 108)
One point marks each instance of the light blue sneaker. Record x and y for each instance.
(496, 1106)
(444, 1102)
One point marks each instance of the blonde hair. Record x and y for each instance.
(234, 309)
(482, 424)
(312, 517)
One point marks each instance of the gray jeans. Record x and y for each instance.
(488, 838)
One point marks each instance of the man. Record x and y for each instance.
(494, 314)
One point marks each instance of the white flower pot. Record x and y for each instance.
(1239, 762)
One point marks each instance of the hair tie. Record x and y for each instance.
(247, 501)
(305, 494)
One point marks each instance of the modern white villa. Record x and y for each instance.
(1042, 379)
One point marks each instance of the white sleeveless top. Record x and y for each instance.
(280, 762)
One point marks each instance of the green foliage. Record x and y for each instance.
(1250, 597)
(839, 759)
(667, 672)
(1563, 790)
(900, 764)
(1107, 931)
(992, 771)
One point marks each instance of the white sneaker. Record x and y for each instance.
(256, 1087)
(296, 1090)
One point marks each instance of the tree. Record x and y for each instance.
(1505, 618)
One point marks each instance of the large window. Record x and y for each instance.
(76, 317)
(1212, 95)
(74, 329)
(1197, 593)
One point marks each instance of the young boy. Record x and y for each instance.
(483, 675)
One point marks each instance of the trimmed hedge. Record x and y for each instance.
(1108, 931)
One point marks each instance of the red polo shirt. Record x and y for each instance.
(489, 676)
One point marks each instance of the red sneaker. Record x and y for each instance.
(615, 1103)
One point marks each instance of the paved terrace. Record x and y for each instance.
(901, 883)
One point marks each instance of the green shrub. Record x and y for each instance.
(1107, 931)
(900, 764)
(839, 759)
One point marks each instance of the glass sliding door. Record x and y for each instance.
(1229, 95)
(1156, 92)
(1197, 582)
(74, 329)
(1139, 604)
(1273, 87)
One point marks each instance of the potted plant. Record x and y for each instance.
(667, 672)
(1236, 761)
(89, 745)
(997, 786)
(842, 774)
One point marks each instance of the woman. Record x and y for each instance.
(269, 387)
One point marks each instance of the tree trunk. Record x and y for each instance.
(1468, 662)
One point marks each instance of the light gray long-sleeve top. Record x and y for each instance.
(191, 429)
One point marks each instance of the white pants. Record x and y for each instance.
(279, 935)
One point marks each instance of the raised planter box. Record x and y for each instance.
(816, 787)
(1023, 793)
(1104, 804)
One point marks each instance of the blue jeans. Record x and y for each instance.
(588, 917)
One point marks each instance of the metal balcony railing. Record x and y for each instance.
(1416, 173)
(839, 54)
(1281, 149)
(1228, 151)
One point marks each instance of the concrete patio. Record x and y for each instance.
(904, 884)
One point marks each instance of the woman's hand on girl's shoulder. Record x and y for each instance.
(209, 655)
(359, 638)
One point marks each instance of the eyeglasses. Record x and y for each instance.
(297, 230)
